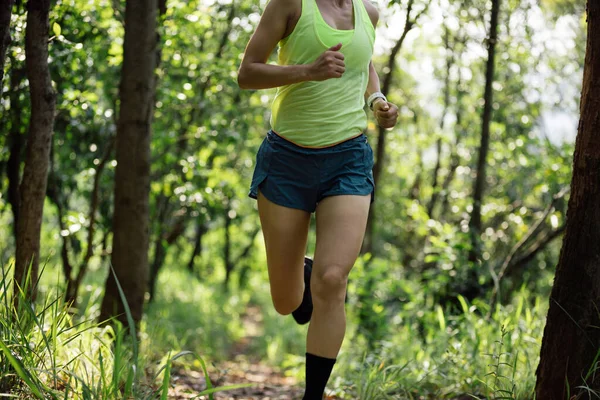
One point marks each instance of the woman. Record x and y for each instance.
(315, 159)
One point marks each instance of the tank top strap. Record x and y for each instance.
(364, 16)
(308, 10)
(358, 13)
(306, 19)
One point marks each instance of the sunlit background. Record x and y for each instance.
(416, 305)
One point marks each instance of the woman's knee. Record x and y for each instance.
(328, 283)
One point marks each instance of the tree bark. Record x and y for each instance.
(486, 118)
(5, 39)
(35, 173)
(571, 339)
(15, 142)
(132, 176)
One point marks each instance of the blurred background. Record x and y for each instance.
(441, 303)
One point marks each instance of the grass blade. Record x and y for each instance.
(21, 371)
(166, 381)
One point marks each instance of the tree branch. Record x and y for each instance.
(536, 247)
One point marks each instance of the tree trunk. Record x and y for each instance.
(5, 13)
(438, 145)
(571, 339)
(242, 260)
(162, 205)
(227, 245)
(160, 253)
(368, 246)
(486, 118)
(72, 278)
(132, 176)
(35, 174)
(75, 282)
(161, 247)
(15, 142)
(454, 157)
(200, 231)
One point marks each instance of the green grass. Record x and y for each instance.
(47, 352)
(434, 355)
(426, 352)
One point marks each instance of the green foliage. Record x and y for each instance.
(429, 353)
(46, 352)
(503, 386)
(420, 320)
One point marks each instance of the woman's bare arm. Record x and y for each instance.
(373, 84)
(385, 112)
(255, 73)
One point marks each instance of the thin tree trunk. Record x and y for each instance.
(454, 157)
(486, 119)
(368, 246)
(227, 246)
(64, 250)
(160, 253)
(53, 193)
(161, 248)
(161, 206)
(242, 260)
(436, 171)
(15, 142)
(74, 280)
(385, 89)
(200, 231)
(415, 190)
(35, 174)
(5, 39)
(132, 176)
(571, 339)
(182, 143)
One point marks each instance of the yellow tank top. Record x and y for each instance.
(321, 114)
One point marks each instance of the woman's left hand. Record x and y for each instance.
(386, 113)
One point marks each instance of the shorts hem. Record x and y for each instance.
(279, 203)
(342, 193)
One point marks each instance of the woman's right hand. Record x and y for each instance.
(329, 65)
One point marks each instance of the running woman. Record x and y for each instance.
(315, 158)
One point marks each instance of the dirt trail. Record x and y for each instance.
(267, 383)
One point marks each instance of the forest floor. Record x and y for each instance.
(266, 382)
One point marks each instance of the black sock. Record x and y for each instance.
(318, 370)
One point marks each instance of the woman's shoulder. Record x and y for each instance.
(372, 11)
(289, 6)
(277, 11)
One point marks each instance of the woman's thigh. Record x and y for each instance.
(285, 231)
(341, 224)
